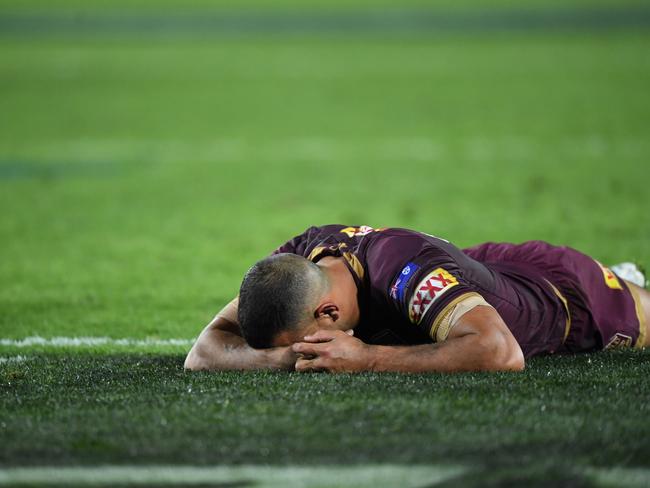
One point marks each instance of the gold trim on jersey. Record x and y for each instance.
(319, 250)
(640, 315)
(316, 252)
(355, 264)
(360, 231)
(351, 259)
(567, 325)
(611, 280)
(446, 310)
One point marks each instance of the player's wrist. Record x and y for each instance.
(279, 358)
(375, 358)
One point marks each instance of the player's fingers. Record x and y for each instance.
(350, 332)
(305, 356)
(306, 348)
(303, 364)
(309, 365)
(322, 336)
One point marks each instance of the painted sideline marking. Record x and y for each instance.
(92, 341)
(362, 476)
(13, 359)
(620, 477)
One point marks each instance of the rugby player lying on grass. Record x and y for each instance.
(344, 299)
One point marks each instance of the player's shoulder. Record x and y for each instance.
(379, 245)
(401, 242)
(363, 230)
(354, 232)
(399, 255)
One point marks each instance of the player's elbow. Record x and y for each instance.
(514, 360)
(502, 353)
(195, 361)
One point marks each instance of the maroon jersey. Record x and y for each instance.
(408, 281)
(551, 298)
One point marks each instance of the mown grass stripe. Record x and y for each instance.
(408, 21)
(371, 476)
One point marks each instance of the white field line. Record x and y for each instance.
(92, 341)
(362, 476)
(620, 477)
(359, 476)
(13, 359)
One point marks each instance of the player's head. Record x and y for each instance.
(281, 295)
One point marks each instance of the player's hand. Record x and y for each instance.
(334, 351)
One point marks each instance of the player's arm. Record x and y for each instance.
(221, 347)
(478, 341)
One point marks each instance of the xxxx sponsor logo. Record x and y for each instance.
(432, 287)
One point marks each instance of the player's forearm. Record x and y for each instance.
(225, 351)
(217, 349)
(468, 353)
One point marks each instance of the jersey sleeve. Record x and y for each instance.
(426, 288)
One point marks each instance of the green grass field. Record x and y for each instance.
(151, 151)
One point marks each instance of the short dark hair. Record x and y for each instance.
(275, 295)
